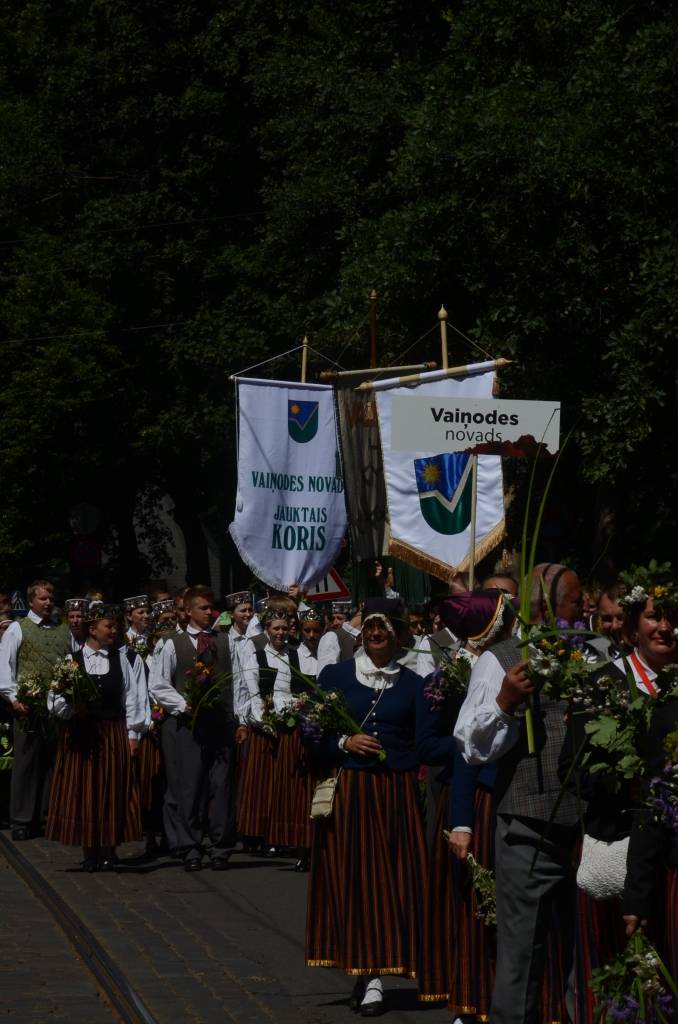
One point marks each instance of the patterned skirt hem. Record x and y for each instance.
(435, 998)
(363, 971)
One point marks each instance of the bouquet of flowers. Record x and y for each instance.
(157, 713)
(663, 798)
(485, 885)
(289, 717)
(557, 660)
(31, 691)
(635, 987)
(327, 712)
(6, 747)
(202, 691)
(69, 681)
(619, 724)
(141, 645)
(451, 679)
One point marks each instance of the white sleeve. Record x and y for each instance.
(137, 706)
(329, 651)
(9, 646)
(250, 673)
(241, 696)
(161, 690)
(483, 731)
(282, 687)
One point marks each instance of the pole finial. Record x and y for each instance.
(373, 294)
(442, 313)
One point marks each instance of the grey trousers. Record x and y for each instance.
(526, 897)
(200, 795)
(31, 777)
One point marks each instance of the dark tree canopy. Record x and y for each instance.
(189, 188)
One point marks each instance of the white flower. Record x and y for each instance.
(638, 594)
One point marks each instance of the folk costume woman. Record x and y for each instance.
(294, 777)
(650, 898)
(267, 672)
(456, 950)
(94, 801)
(648, 633)
(368, 860)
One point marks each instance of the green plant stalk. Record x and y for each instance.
(527, 568)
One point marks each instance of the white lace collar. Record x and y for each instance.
(371, 675)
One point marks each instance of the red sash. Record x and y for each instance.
(644, 677)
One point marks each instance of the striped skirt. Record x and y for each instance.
(440, 914)
(368, 877)
(256, 785)
(94, 802)
(474, 952)
(150, 779)
(671, 922)
(599, 938)
(293, 783)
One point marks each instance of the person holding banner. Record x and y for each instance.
(368, 860)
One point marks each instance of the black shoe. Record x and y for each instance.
(90, 865)
(357, 995)
(372, 1009)
(272, 851)
(302, 864)
(219, 864)
(193, 864)
(108, 864)
(21, 832)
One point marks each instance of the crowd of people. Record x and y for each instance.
(440, 824)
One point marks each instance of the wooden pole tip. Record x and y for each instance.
(373, 295)
(442, 313)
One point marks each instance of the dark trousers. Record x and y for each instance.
(200, 793)
(528, 887)
(31, 776)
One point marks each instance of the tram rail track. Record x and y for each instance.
(125, 1001)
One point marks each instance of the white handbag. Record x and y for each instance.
(602, 869)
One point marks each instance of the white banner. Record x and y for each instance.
(429, 491)
(481, 426)
(290, 516)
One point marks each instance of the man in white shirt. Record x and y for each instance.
(241, 611)
(31, 648)
(75, 608)
(198, 751)
(536, 829)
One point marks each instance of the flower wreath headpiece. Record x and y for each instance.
(651, 581)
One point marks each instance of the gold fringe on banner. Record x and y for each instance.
(443, 570)
(489, 541)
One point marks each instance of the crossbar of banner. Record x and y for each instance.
(374, 371)
(421, 378)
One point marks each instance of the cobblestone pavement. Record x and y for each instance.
(203, 947)
(41, 977)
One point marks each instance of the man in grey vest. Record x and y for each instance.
(32, 646)
(198, 751)
(533, 857)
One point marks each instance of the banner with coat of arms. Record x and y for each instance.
(290, 516)
(430, 493)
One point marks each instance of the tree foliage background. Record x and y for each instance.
(188, 188)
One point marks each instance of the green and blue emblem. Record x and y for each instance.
(445, 484)
(302, 420)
